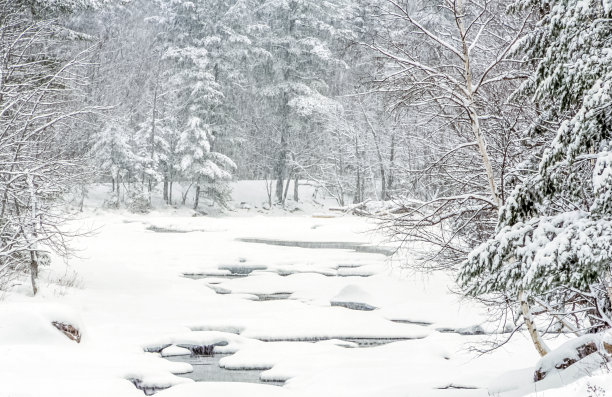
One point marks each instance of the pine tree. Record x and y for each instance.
(211, 171)
(196, 99)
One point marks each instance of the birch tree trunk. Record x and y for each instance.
(470, 105)
(536, 338)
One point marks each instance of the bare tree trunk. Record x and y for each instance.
(153, 122)
(166, 189)
(196, 200)
(391, 166)
(356, 197)
(269, 191)
(383, 184)
(296, 188)
(358, 181)
(281, 166)
(118, 189)
(536, 338)
(170, 186)
(340, 190)
(184, 196)
(287, 188)
(83, 194)
(34, 271)
(34, 245)
(472, 113)
(608, 285)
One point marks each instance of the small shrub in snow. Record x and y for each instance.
(112, 202)
(138, 202)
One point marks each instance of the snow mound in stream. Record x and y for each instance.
(354, 297)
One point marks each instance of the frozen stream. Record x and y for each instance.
(207, 368)
(281, 287)
(303, 305)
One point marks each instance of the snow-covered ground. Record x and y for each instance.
(315, 318)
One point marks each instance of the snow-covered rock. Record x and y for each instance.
(174, 350)
(576, 357)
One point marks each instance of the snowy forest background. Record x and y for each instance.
(478, 128)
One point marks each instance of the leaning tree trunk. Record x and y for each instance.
(184, 194)
(536, 338)
(287, 188)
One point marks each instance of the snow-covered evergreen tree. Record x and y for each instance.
(554, 235)
(195, 97)
(209, 170)
(113, 155)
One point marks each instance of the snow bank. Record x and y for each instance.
(32, 324)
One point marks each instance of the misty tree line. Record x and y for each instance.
(203, 92)
(478, 130)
